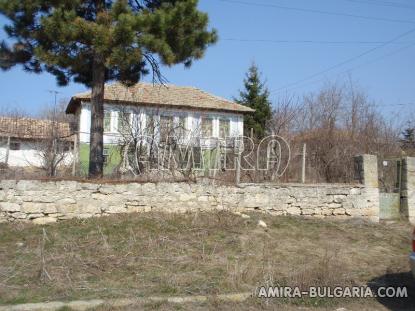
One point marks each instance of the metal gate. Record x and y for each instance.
(390, 178)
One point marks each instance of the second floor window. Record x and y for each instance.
(207, 127)
(181, 127)
(107, 121)
(166, 127)
(224, 128)
(150, 125)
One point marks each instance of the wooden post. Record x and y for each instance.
(252, 133)
(6, 160)
(75, 154)
(217, 160)
(238, 163)
(303, 164)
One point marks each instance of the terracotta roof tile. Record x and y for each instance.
(29, 128)
(161, 95)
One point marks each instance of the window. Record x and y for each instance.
(68, 146)
(224, 128)
(181, 127)
(207, 127)
(150, 125)
(124, 121)
(14, 146)
(106, 153)
(107, 121)
(166, 127)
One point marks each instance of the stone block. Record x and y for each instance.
(9, 207)
(88, 186)
(66, 201)
(24, 185)
(35, 208)
(148, 188)
(6, 184)
(107, 189)
(90, 208)
(44, 220)
(18, 215)
(45, 198)
(33, 216)
(115, 209)
(293, 210)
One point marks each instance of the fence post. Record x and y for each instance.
(238, 161)
(408, 189)
(366, 172)
(303, 163)
(6, 160)
(75, 155)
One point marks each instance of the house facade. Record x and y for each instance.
(24, 142)
(157, 111)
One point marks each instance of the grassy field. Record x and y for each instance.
(139, 255)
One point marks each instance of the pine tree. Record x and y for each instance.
(255, 95)
(94, 41)
(408, 141)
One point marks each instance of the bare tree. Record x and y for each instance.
(158, 145)
(54, 140)
(336, 123)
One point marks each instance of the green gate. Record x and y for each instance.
(390, 172)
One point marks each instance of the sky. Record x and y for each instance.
(298, 45)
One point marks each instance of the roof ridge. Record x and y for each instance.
(162, 94)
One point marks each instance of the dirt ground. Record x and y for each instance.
(140, 255)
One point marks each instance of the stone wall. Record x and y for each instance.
(43, 202)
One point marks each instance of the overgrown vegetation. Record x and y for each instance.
(336, 123)
(141, 255)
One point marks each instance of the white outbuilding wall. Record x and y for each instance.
(27, 155)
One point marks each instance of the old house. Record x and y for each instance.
(29, 142)
(157, 111)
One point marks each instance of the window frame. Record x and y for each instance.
(169, 128)
(106, 154)
(123, 126)
(15, 143)
(150, 128)
(228, 132)
(109, 120)
(202, 121)
(181, 128)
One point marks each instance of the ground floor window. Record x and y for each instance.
(14, 145)
(107, 121)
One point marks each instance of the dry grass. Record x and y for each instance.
(205, 253)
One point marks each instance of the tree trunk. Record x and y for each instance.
(96, 158)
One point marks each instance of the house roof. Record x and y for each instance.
(161, 95)
(29, 128)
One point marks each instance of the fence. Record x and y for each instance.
(222, 161)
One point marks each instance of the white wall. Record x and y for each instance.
(140, 113)
(26, 156)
